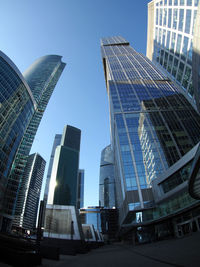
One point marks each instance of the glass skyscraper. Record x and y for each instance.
(173, 42)
(33, 174)
(40, 80)
(152, 124)
(64, 177)
(80, 197)
(106, 179)
(56, 143)
(17, 106)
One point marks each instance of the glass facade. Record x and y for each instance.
(64, 177)
(169, 207)
(173, 41)
(42, 77)
(33, 173)
(56, 143)
(152, 124)
(106, 179)
(80, 199)
(91, 215)
(177, 178)
(16, 109)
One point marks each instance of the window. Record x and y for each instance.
(156, 16)
(173, 42)
(181, 19)
(180, 71)
(164, 37)
(168, 39)
(169, 18)
(165, 17)
(161, 12)
(185, 48)
(175, 18)
(189, 2)
(178, 46)
(189, 61)
(175, 67)
(188, 21)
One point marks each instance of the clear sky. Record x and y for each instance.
(72, 28)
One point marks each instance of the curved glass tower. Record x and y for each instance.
(41, 77)
(17, 106)
(106, 179)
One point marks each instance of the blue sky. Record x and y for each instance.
(73, 28)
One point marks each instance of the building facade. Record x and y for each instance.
(80, 198)
(91, 215)
(173, 43)
(152, 125)
(64, 178)
(106, 179)
(33, 174)
(56, 143)
(16, 109)
(104, 220)
(41, 79)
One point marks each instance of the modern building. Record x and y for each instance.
(61, 223)
(33, 174)
(152, 127)
(56, 143)
(106, 179)
(64, 177)
(16, 109)
(80, 198)
(109, 223)
(92, 216)
(35, 89)
(104, 220)
(194, 181)
(173, 43)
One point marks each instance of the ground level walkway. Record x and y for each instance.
(173, 252)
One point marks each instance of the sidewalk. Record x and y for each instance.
(173, 252)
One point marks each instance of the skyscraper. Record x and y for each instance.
(33, 174)
(56, 143)
(16, 109)
(41, 79)
(64, 178)
(152, 124)
(106, 179)
(173, 42)
(80, 197)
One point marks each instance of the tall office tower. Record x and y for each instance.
(152, 124)
(173, 43)
(56, 143)
(64, 177)
(17, 106)
(80, 198)
(106, 179)
(41, 77)
(33, 174)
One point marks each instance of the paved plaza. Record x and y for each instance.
(173, 252)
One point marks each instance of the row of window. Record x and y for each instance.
(177, 2)
(176, 19)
